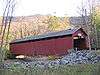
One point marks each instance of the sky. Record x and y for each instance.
(54, 7)
(44, 7)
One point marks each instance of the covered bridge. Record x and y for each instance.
(55, 43)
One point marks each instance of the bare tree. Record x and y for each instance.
(6, 21)
(88, 21)
(93, 29)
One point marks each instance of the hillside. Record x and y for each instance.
(22, 26)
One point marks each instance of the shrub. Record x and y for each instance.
(53, 57)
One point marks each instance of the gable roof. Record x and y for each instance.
(48, 35)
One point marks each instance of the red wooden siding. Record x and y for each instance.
(83, 44)
(56, 46)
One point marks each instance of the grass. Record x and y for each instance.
(97, 52)
(80, 69)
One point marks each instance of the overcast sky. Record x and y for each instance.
(54, 7)
(61, 7)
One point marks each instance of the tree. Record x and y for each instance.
(88, 19)
(97, 23)
(6, 21)
(97, 17)
(58, 23)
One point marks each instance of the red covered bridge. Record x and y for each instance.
(56, 43)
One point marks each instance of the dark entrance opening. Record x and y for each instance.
(80, 43)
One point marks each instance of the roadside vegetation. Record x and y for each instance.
(80, 69)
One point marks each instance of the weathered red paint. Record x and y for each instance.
(83, 44)
(57, 46)
(54, 46)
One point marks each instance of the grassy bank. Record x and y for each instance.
(80, 69)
